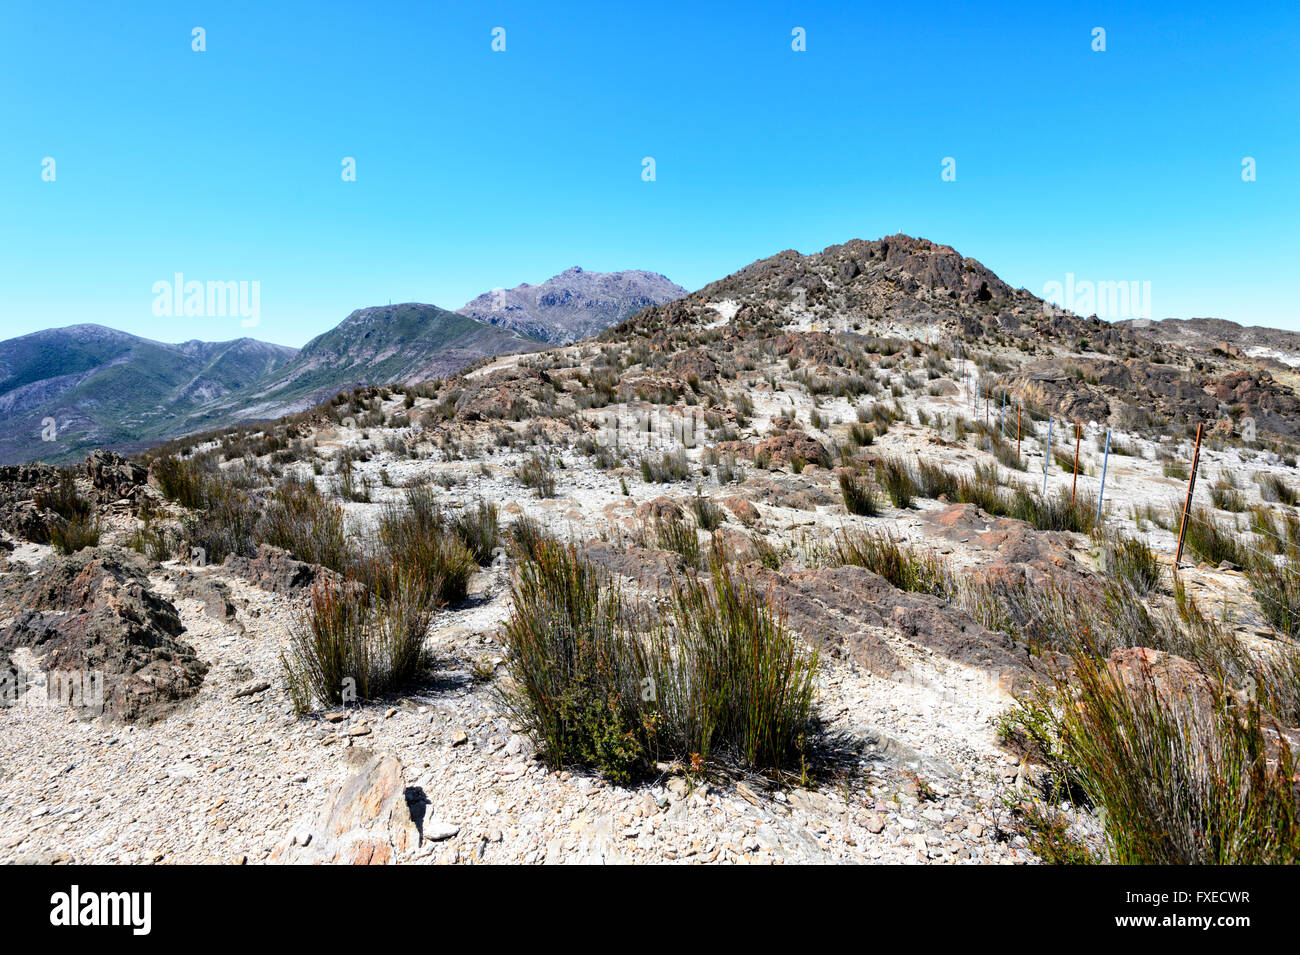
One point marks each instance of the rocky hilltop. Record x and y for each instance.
(848, 506)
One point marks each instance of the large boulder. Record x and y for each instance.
(115, 478)
(92, 616)
(508, 393)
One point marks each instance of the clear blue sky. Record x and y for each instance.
(478, 169)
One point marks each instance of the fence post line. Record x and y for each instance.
(1101, 493)
(1187, 505)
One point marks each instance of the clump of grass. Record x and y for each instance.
(69, 535)
(187, 482)
(734, 684)
(1273, 488)
(983, 489)
(1225, 496)
(576, 677)
(934, 480)
(479, 529)
(537, 473)
(861, 435)
(1276, 588)
(906, 567)
(1003, 449)
(525, 535)
(858, 497)
(1130, 560)
(64, 499)
(1065, 461)
(1047, 833)
(768, 555)
(665, 468)
(417, 537)
(300, 520)
(1177, 786)
(148, 538)
(349, 488)
(226, 526)
(1213, 541)
(708, 516)
(1274, 532)
(75, 525)
(716, 676)
(352, 644)
(680, 537)
(897, 480)
(1056, 512)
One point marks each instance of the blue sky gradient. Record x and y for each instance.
(478, 169)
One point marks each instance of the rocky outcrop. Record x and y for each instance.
(693, 363)
(790, 447)
(1137, 391)
(115, 478)
(1189, 696)
(853, 612)
(1010, 546)
(743, 510)
(93, 614)
(509, 393)
(213, 594)
(660, 509)
(20, 512)
(279, 572)
(787, 491)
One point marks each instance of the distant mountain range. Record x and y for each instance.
(67, 390)
(379, 345)
(573, 304)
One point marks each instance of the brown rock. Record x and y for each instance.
(785, 448)
(693, 363)
(374, 819)
(114, 477)
(744, 510)
(849, 610)
(660, 509)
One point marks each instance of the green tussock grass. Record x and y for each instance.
(715, 676)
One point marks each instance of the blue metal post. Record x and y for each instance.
(1104, 461)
